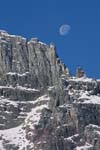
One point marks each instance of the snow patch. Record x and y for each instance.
(82, 79)
(14, 136)
(34, 116)
(8, 102)
(19, 87)
(15, 73)
(85, 147)
(85, 98)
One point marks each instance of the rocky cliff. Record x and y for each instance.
(43, 107)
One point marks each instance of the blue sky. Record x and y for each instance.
(42, 19)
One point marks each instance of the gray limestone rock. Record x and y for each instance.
(80, 72)
(43, 107)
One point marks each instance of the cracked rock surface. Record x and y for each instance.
(42, 106)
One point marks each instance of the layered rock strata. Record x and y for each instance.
(43, 107)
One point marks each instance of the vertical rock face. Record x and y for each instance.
(19, 56)
(43, 107)
(13, 53)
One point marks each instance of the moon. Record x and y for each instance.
(64, 29)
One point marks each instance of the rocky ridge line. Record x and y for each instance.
(43, 107)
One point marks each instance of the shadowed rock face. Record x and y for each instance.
(43, 107)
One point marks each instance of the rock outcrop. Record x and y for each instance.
(43, 107)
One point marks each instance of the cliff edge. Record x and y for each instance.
(42, 106)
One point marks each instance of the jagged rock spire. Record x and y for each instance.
(80, 72)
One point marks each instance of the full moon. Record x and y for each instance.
(64, 29)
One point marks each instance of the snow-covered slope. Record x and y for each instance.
(16, 137)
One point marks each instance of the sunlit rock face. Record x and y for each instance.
(19, 56)
(43, 107)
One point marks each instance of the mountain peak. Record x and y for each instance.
(41, 105)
